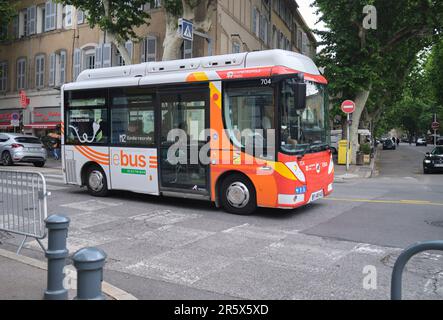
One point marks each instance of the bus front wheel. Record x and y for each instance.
(237, 195)
(96, 182)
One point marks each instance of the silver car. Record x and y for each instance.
(21, 148)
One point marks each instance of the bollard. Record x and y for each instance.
(89, 263)
(56, 254)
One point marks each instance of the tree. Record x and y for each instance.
(370, 66)
(117, 18)
(200, 12)
(7, 12)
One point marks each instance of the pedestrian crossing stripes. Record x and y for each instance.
(55, 182)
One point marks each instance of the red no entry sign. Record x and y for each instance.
(435, 125)
(348, 106)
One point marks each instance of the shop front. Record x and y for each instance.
(44, 121)
(6, 117)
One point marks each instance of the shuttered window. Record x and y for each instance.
(62, 66)
(40, 71)
(107, 55)
(52, 69)
(76, 63)
(3, 76)
(50, 15)
(21, 74)
(31, 14)
(149, 49)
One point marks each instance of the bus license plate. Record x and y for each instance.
(317, 196)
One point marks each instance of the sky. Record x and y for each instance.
(309, 15)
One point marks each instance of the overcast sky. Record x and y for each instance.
(309, 15)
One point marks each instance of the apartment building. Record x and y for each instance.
(49, 44)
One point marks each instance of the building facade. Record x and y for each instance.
(49, 44)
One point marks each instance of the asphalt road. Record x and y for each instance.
(165, 248)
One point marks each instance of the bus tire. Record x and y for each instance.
(96, 181)
(237, 195)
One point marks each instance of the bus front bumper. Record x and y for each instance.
(291, 201)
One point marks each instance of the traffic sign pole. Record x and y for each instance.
(348, 143)
(348, 107)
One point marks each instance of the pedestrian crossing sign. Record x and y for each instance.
(186, 29)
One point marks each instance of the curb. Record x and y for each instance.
(108, 289)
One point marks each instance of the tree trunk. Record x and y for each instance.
(172, 43)
(191, 11)
(119, 43)
(360, 102)
(120, 47)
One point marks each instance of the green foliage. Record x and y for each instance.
(123, 16)
(7, 12)
(356, 59)
(365, 148)
(174, 7)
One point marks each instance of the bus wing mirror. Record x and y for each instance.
(300, 96)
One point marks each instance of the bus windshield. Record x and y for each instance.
(303, 131)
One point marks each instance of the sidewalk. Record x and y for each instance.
(24, 278)
(357, 172)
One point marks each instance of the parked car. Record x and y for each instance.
(440, 142)
(388, 144)
(433, 161)
(421, 142)
(16, 148)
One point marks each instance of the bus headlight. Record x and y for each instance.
(331, 166)
(295, 168)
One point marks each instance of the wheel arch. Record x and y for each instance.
(86, 167)
(220, 180)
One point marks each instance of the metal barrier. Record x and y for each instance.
(23, 204)
(403, 259)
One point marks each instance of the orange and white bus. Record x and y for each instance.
(117, 125)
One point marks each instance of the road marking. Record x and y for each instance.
(410, 202)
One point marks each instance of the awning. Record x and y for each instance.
(5, 125)
(42, 125)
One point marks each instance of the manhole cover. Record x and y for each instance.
(435, 223)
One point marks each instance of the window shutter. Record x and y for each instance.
(98, 56)
(144, 52)
(31, 13)
(42, 71)
(107, 55)
(151, 49)
(305, 44)
(68, 16)
(37, 72)
(129, 46)
(52, 69)
(62, 67)
(80, 16)
(53, 15)
(15, 27)
(76, 63)
(48, 16)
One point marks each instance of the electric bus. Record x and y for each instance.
(243, 130)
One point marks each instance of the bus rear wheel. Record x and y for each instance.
(237, 195)
(96, 182)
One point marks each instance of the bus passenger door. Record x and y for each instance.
(133, 154)
(184, 116)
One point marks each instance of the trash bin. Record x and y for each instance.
(360, 158)
(342, 144)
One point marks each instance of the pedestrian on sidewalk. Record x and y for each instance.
(56, 147)
(398, 142)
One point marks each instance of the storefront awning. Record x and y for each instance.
(42, 125)
(5, 125)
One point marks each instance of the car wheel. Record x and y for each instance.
(7, 159)
(39, 164)
(96, 182)
(426, 171)
(237, 195)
